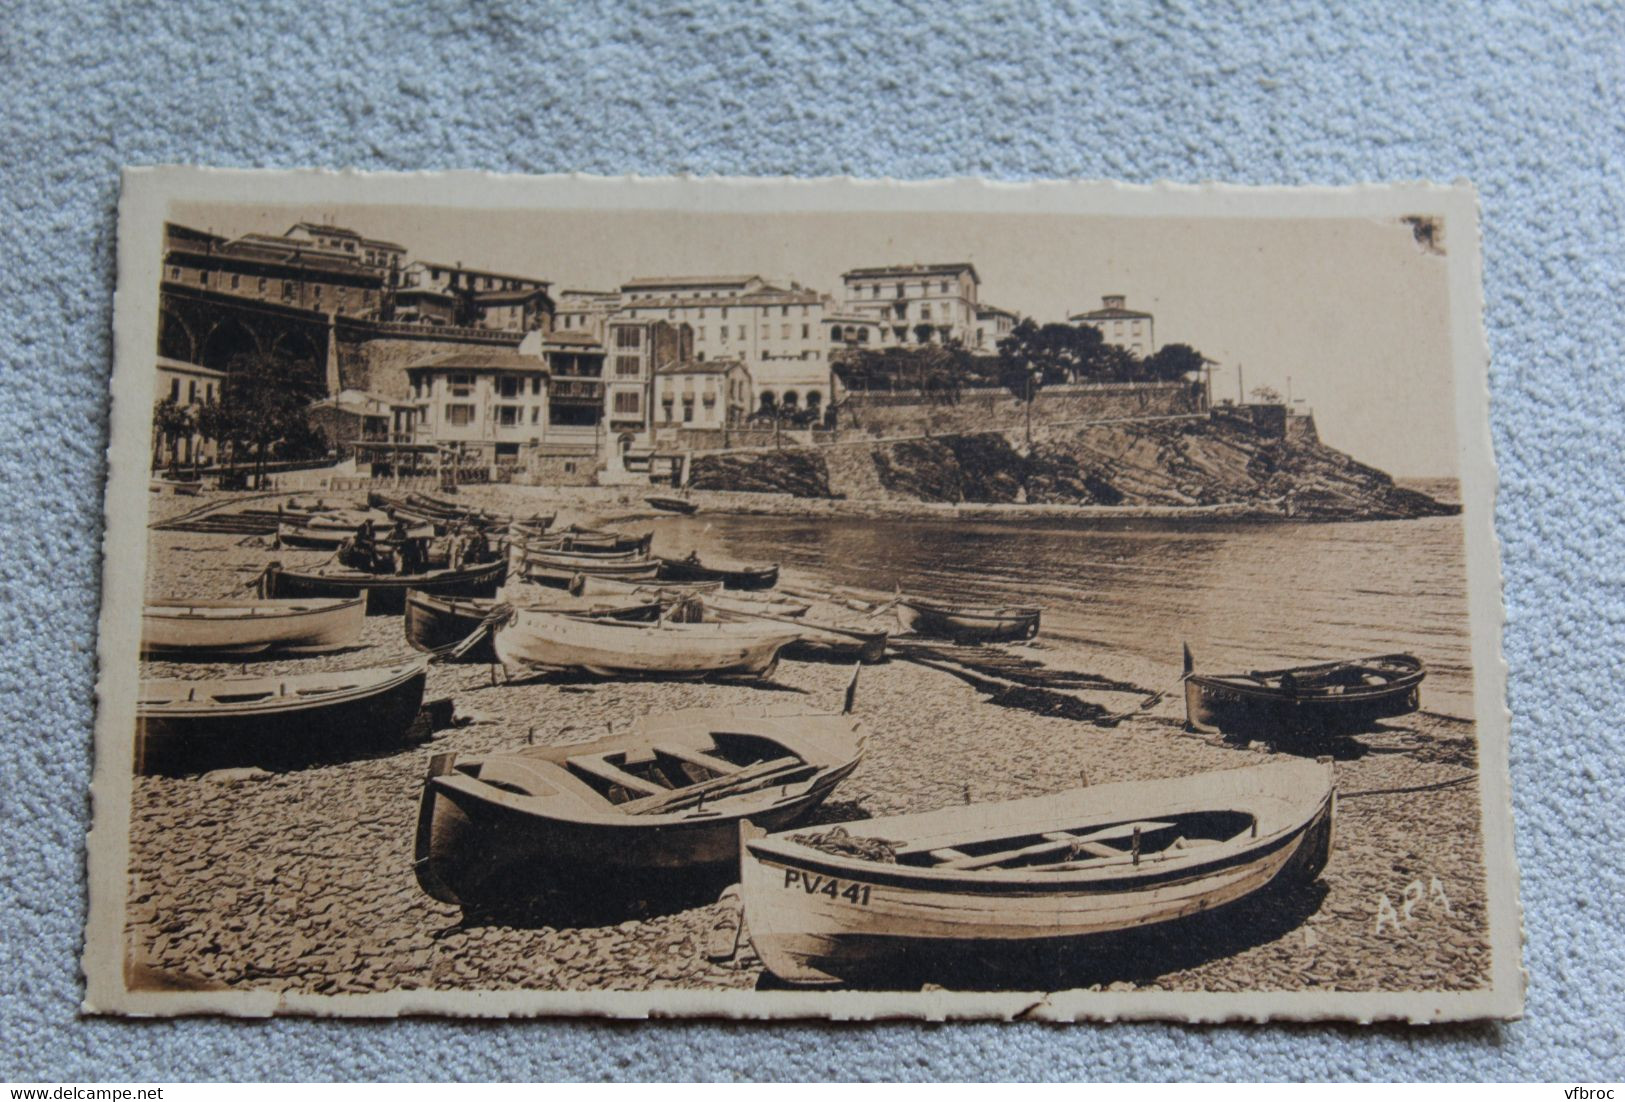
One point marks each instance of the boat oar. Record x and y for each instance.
(851, 696)
(761, 775)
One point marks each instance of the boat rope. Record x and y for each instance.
(1451, 783)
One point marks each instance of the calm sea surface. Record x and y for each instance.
(1243, 596)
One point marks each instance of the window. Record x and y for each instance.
(236, 281)
(175, 273)
(835, 332)
(262, 284)
(945, 286)
(741, 332)
(535, 384)
(175, 391)
(1136, 329)
(784, 333)
(688, 410)
(724, 313)
(627, 336)
(509, 387)
(462, 384)
(925, 310)
(665, 410)
(626, 401)
(508, 416)
(628, 366)
(459, 414)
(806, 331)
(191, 391)
(699, 334)
(203, 278)
(784, 311)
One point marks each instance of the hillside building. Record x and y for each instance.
(1131, 330)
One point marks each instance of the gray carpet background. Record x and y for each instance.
(1525, 103)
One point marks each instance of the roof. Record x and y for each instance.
(469, 269)
(709, 367)
(482, 359)
(914, 270)
(360, 401)
(690, 281)
(281, 256)
(986, 310)
(423, 292)
(522, 295)
(572, 337)
(167, 364)
(1107, 314)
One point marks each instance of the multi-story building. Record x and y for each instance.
(580, 311)
(914, 304)
(775, 332)
(273, 269)
(482, 401)
(695, 394)
(450, 294)
(1132, 330)
(993, 324)
(636, 351)
(189, 387)
(383, 257)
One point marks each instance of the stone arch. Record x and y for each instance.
(814, 399)
(295, 346)
(226, 341)
(769, 402)
(175, 339)
(791, 400)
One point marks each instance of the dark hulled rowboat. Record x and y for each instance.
(1331, 698)
(968, 623)
(436, 625)
(192, 726)
(672, 505)
(665, 797)
(385, 593)
(993, 881)
(731, 575)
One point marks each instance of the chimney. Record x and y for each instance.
(1113, 302)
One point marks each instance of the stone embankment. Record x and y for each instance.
(1197, 464)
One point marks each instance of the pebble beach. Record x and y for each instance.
(302, 881)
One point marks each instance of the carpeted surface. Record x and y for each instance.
(1526, 104)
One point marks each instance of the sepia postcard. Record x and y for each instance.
(771, 598)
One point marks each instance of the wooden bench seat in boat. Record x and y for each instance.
(595, 765)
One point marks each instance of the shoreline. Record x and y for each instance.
(302, 881)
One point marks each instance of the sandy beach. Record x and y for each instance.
(302, 881)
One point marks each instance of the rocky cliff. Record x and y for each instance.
(1192, 463)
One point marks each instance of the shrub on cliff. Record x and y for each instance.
(798, 473)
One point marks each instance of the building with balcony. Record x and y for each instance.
(775, 331)
(358, 421)
(582, 311)
(694, 394)
(433, 293)
(484, 402)
(285, 271)
(914, 304)
(636, 351)
(1131, 330)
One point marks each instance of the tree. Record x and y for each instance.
(1051, 353)
(266, 400)
(1265, 396)
(170, 424)
(1173, 362)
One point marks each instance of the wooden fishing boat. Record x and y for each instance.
(560, 568)
(669, 593)
(236, 628)
(840, 904)
(1330, 698)
(672, 505)
(967, 623)
(732, 575)
(612, 648)
(437, 625)
(589, 541)
(189, 726)
(385, 593)
(666, 796)
(818, 639)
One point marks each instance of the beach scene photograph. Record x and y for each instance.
(654, 606)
